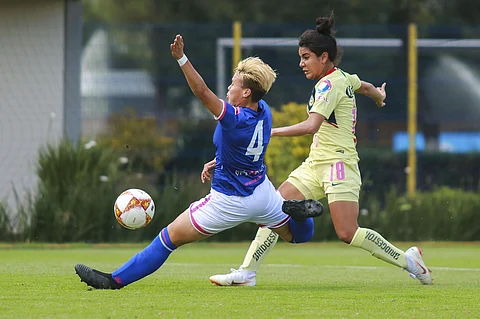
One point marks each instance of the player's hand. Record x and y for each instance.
(177, 47)
(207, 168)
(380, 102)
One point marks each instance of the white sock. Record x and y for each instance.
(259, 249)
(379, 247)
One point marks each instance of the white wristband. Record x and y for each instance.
(182, 60)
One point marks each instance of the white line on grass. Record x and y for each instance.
(371, 267)
(327, 266)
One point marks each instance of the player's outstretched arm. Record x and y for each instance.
(378, 94)
(309, 126)
(195, 81)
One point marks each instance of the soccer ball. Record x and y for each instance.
(134, 208)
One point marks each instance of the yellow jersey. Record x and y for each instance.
(334, 97)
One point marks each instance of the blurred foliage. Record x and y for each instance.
(140, 140)
(286, 153)
(118, 10)
(441, 214)
(77, 187)
(141, 31)
(349, 12)
(383, 169)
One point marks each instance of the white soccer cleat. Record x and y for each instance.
(238, 277)
(416, 267)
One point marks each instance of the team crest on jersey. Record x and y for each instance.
(324, 87)
(349, 91)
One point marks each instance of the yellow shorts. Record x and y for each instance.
(338, 181)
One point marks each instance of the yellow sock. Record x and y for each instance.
(373, 242)
(259, 248)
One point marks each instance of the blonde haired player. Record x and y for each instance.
(331, 169)
(241, 192)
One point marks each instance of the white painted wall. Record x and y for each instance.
(31, 88)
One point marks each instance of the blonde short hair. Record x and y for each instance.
(257, 76)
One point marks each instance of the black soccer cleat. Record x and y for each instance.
(95, 278)
(301, 209)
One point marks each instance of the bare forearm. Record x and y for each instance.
(194, 79)
(201, 90)
(376, 94)
(309, 126)
(300, 129)
(371, 91)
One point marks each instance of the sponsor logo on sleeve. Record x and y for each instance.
(324, 87)
(323, 98)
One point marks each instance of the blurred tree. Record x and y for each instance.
(348, 11)
(146, 148)
(77, 185)
(466, 11)
(119, 11)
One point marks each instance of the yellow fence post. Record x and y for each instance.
(412, 109)
(237, 46)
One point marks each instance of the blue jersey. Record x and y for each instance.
(241, 139)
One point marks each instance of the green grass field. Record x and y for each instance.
(306, 281)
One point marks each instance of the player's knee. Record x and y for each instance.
(301, 231)
(345, 235)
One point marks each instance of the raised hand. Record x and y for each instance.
(380, 102)
(176, 48)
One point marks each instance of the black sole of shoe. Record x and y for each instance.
(301, 209)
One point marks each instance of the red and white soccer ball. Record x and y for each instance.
(134, 208)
